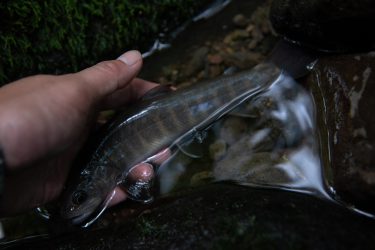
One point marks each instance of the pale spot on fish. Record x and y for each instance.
(201, 107)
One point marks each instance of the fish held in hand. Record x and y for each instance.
(137, 135)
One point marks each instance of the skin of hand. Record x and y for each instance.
(45, 119)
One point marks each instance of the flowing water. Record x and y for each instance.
(272, 142)
(269, 142)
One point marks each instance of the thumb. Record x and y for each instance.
(106, 77)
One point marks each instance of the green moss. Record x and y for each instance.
(149, 228)
(58, 36)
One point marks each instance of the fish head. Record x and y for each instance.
(86, 201)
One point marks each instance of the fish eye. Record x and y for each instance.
(79, 197)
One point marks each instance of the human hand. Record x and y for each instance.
(45, 119)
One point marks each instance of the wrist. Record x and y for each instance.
(2, 170)
(3, 153)
(8, 136)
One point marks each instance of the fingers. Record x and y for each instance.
(119, 196)
(32, 187)
(106, 77)
(141, 172)
(36, 185)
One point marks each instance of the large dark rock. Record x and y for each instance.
(224, 216)
(344, 88)
(326, 24)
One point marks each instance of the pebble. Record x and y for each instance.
(238, 49)
(253, 44)
(197, 61)
(240, 20)
(257, 34)
(214, 59)
(250, 28)
(236, 35)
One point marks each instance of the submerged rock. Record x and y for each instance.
(236, 217)
(326, 24)
(344, 88)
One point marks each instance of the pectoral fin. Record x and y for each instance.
(191, 148)
(192, 143)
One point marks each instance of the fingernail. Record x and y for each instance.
(130, 57)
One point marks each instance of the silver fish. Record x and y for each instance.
(156, 124)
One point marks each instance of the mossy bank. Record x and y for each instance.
(66, 35)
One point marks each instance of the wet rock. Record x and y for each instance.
(223, 216)
(325, 24)
(344, 88)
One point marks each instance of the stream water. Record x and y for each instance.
(271, 141)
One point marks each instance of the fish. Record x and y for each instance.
(167, 121)
(162, 122)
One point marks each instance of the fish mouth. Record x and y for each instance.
(93, 212)
(72, 217)
(79, 219)
(85, 219)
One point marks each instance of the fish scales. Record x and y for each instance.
(194, 107)
(223, 90)
(155, 125)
